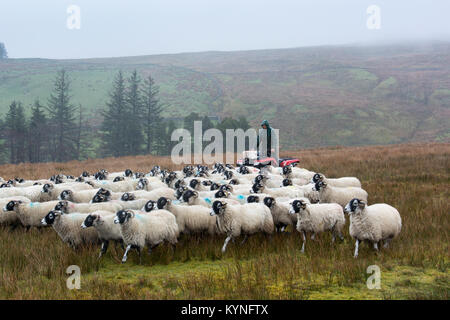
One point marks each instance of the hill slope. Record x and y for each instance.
(318, 96)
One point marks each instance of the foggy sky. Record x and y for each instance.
(37, 28)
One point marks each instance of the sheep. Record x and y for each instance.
(83, 196)
(106, 228)
(317, 218)
(270, 181)
(290, 172)
(121, 186)
(51, 191)
(67, 226)
(69, 207)
(149, 195)
(374, 223)
(280, 213)
(339, 182)
(190, 219)
(246, 219)
(139, 230)
(10, 217)
(330, 194)
(33, 193)
(30, 214)
(291, 192)
(149, 184)
(294, 182)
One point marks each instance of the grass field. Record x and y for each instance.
(415, 178)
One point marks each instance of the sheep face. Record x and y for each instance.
(104, 192)
(163, 203)
(228, 175)
(194, 183)
(142, 184)
(355, 206)
(123, 216)
(179, 192)
(99, 198)
(66, 195)
(286, 182)
(226, 187)
(117, 179)
(79, 179)
(179, 183)
(222, 194)
(317, 177)
(5, 185)
(128, 173)
(214, 186)
(218, 208)
(320, 185)
(260, 178)
(234, 182)
(207, 183)
(287, 170)
(51, 217)
(47, 188)
(149, 206)
(90, 220)
(252, 199)
(62, 206)
(269, 202)
(127, 196)
(85, 174)
(189, 195)
(256, 188)
(296, 206)
(10, 206)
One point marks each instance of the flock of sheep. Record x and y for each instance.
(144, 210)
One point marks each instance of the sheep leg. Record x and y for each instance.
(304, 241)
(375, 245)
(124, 259)
(313, 236)
(386, 243)
(356, 248)
(138, 249)
(226, 243)
(245, 239)
(104, 248)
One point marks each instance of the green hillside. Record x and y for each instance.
(318, 96)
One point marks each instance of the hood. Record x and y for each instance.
(265, 122)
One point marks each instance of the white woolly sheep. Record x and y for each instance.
(190, 219)
(106, 228)
(67, 226)
(246, 219)
(70, 207)
(30, 214)
(139, 230)
(10, 218)
(330, 194)
(33, 193)
(374, 223)
(51, 191)
(317, 218)
(149, 195)
(280, 213)
(337, 182)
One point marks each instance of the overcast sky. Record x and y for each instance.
(38, 28)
